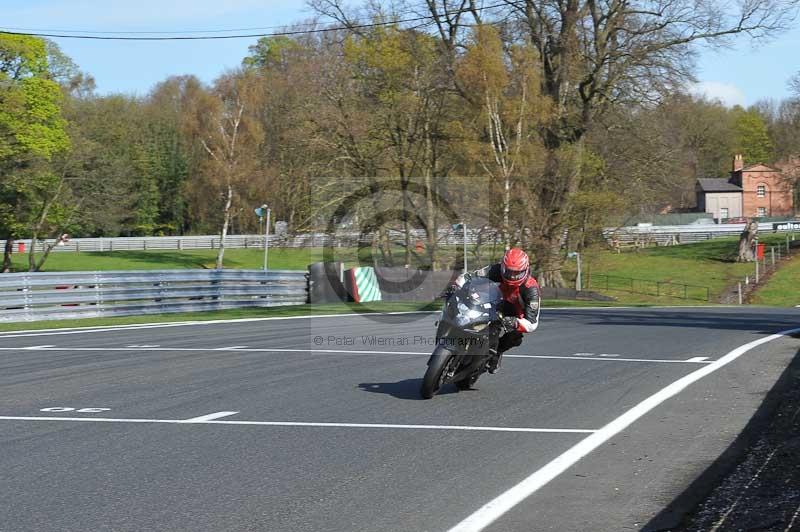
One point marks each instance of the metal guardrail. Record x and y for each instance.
(62, 295)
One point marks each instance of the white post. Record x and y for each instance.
(465, 246)
(772, 253)
(740, 293)
(579, 278)
(266, 239)
(757, 272)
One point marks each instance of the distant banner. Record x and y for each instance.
(786, 226)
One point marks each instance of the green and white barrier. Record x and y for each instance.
(364, 285)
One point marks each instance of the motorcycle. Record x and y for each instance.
(467, 336)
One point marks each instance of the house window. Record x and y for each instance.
(762, 211)
(761, 191)
(723, 213)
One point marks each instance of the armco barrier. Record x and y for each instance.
(60, 295)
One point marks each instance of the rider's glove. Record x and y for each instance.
(510, 323)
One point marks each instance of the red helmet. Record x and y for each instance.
(515, 267)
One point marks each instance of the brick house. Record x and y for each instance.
(756, 190)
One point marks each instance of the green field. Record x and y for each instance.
(783, 288)
(708, 264)
(279, 259)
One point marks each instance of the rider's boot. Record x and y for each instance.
(494, 361)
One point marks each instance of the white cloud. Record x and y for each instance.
(727, 93)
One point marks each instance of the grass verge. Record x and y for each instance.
(783, 287)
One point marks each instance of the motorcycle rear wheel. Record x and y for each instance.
(439, 366)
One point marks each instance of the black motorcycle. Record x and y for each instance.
(466, 338)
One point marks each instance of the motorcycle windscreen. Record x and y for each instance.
(476, 302)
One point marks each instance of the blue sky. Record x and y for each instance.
(741, 74)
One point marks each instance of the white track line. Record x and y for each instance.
(243, 349)
(601, 358)
(504, 502)
(111, 328)
(209, 417)
(201, 421)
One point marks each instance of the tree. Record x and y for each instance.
(504, 86)
(399, 78)
(596, 56)
(273, 53)
(751, 138)
(747, 242)
(222, 123)
(31, 128)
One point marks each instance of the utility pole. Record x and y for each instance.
(266, 239)
(464, 224)
(579, 277)
(263, 213)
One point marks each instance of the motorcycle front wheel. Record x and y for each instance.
(443, 364)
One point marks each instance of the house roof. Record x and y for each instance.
(708, 184)
(767, 168)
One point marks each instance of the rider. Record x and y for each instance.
(521, 295)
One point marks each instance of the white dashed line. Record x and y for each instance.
(209, 417)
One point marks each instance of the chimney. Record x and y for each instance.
(738, 162)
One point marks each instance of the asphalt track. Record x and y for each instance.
(315, 424)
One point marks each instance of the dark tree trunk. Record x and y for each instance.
(9, 249)
(747, 242)
(556, 189)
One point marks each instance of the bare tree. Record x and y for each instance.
(230, 136)
(504, 89)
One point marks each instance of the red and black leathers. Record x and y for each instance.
(524, 300)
